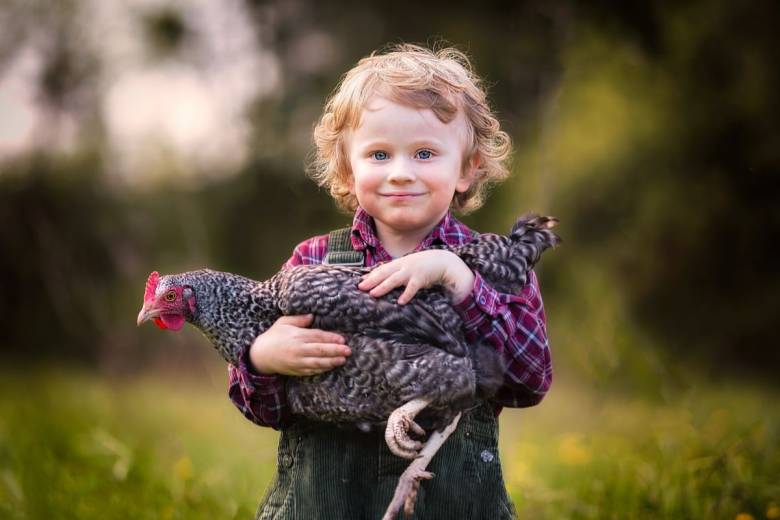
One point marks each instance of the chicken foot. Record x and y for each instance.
(409, 482)
(398, 425)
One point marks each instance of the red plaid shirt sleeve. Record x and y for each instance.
(262, 398)
(516, 326)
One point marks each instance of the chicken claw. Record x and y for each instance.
(398, 425)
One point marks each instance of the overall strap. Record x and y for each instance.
(340, 250)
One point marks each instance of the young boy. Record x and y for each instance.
(406, 138)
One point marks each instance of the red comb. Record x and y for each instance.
(151, 285)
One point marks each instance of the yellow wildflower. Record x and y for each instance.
(183, 468)
(572, 451)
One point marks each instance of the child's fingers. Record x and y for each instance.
(378, 275)
(325, 350)
(412, 286)
(396, 279)
(320, 336)
(315, 365)
(302, 320)
(371, 280)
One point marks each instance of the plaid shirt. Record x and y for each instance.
(514, 324)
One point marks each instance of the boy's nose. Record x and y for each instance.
(401, 171)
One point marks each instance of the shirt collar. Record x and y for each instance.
(363, 232)
(449, 232)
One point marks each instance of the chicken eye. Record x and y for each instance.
(170, 296)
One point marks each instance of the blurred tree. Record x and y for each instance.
(165, 30)
(58, 235)
(694, 205)
(650, 129)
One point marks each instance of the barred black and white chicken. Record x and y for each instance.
(406, 359)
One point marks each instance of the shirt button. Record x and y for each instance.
(482, 300)
(287, 460)
(486, 456)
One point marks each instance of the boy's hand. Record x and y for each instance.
(418, 271)
(290, 348)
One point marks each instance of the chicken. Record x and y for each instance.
(410, 364)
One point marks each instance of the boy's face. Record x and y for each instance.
(406, 166)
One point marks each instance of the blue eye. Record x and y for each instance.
(379, 155)
(424, 154)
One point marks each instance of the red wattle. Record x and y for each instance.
(172, 321)
(159, 323)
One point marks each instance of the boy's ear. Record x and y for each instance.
(467, 175)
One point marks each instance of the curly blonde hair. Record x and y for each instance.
(440, 80)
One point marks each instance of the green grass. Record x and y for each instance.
(77, 445)
(713, 453)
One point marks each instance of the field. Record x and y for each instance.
(76, 445)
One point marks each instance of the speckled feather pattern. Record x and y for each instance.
(399, 352)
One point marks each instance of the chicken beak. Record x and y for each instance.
(146, 314)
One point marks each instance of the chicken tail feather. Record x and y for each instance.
(535, 229)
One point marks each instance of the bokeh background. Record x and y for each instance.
(168, 135)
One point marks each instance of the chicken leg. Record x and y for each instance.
(398, 425)
(409, 483)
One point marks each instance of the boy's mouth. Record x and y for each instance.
(401, 195)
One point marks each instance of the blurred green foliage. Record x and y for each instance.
(77, 250)
(650, 129)
(80, 447)
(84, 447)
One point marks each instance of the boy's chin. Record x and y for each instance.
(408, 221)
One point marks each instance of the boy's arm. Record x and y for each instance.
(516, 326)
(261, 398)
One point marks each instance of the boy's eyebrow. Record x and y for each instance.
(432, 142)
(429, 141)
(376, 143)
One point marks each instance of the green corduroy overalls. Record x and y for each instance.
(325, 472)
